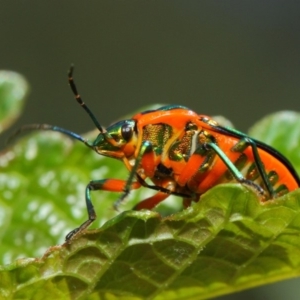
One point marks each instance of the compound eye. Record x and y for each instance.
(126, 132)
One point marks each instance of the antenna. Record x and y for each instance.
(80, 101)
(60, 129)
(49, 128)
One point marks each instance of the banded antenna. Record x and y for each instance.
(80, 101)
(60, 129)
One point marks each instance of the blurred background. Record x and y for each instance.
(239, 59)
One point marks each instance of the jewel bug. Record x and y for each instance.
(182, 153)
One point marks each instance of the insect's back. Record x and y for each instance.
(180, 140)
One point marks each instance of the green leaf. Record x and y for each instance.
(13, 90)
(227, 242)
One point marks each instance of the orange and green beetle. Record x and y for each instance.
(183, 154)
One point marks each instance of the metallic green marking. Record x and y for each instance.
(273, 177)
(240, 146)
(252, 172)
(181, 148)
(281, 190)
(174, 153)
(158, 135)
(207, 163)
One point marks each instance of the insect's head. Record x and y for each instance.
(118, 140)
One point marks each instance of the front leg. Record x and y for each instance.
(112, 185)
(145, 154)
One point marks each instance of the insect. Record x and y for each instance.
(182, 153)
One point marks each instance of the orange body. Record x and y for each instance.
(181, 159)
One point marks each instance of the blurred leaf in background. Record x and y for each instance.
(13, 91)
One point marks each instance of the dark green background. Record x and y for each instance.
(235, 58)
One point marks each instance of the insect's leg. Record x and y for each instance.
(240, 147)
(146, 149)
(232, 168)
(160, 188)
(113, 185)
(154, 200)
